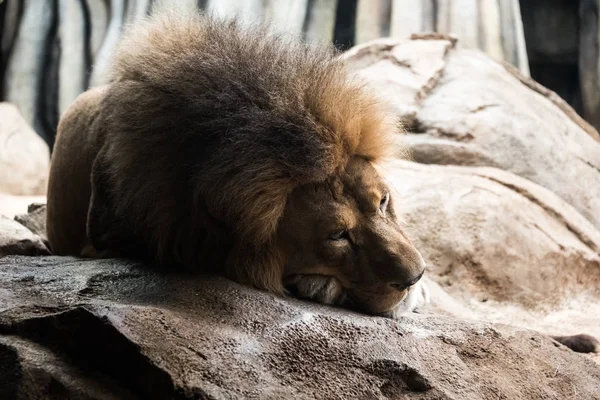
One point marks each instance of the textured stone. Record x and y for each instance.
(137, 333)
(465, 108)
(34, 219)
(24, 156)
(11, 205)
(16, 239)
(501, 248)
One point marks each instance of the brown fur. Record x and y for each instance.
(195, 149)
(75, 149)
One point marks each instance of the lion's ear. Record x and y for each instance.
(106, 232)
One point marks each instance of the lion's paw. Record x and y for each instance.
(416, 299)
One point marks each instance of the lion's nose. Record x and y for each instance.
(405, 285)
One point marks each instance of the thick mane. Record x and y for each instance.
(251, 114)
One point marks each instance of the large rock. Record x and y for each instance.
(113, 329)
(17, 239)
(11, 205)
(29, 80)
(501, 248)
(24, 156)
(34, 219)
(464, 108)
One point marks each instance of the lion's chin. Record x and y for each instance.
(416, 298)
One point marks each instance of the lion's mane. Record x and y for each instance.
(209, 126)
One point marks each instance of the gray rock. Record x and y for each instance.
(500, 248)
(35, 219)
(24, 156)
(11, 205)
(16, 239)
(465, 108)
(137, 333)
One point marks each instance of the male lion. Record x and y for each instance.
(234, 151)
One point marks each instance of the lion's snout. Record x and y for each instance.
(396, 273)
(407, 284)
(403, 267)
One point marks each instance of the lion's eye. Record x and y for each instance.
(339, 235)
(384, 202)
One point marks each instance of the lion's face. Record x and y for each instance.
(346, 228)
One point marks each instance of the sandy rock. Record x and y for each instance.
(502, 248)
(35, 219)
(16, 239)
(464, 108)
(176, 337)
(11, 205)
(24, 156)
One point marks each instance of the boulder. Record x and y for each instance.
(11, 205)
(500, 248)
(24, 156)
(107, 329)
(16, 239)
(35, 219)
(463, 108)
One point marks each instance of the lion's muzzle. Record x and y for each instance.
(405, 285)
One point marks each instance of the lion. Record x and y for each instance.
(232, 150)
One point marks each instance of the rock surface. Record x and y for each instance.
(112, 329)
(11, 205)
(508, 220)
(508, 223)
(500, 248)
(463, 108)
(24, 156)
(34, 219)
(16, 239)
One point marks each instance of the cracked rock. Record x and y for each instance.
(500, 248)
(24, 156)
(140, 334)
(461, 107)
(17, 239)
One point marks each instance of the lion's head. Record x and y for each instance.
(229, 165)
(346, 228)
